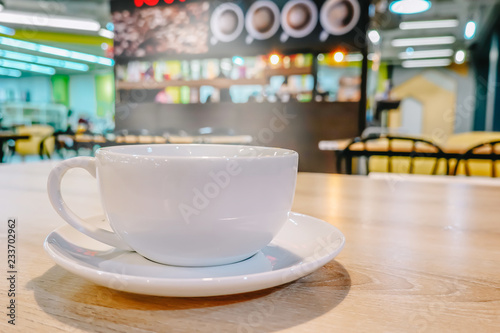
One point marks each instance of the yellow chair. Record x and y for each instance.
(41, 141)
(481, 160)
(467, 141)
(397, 154)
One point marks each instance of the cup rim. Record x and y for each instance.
(112, 151)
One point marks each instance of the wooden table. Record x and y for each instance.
(419, 257)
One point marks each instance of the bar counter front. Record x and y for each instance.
(419, 256)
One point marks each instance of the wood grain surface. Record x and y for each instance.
(419, 257)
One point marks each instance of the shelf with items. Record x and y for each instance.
(25, 113)
(217, 83)
(218, 73)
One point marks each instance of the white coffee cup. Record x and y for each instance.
(186, 205)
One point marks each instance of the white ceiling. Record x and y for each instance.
(463, 10)
(91, 9)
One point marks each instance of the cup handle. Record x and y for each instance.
(55, 196)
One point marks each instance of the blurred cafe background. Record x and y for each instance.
(354, 86)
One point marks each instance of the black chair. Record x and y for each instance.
(417, 149)
(486, 151)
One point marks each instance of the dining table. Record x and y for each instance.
(419, 256)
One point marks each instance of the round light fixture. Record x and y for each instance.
(409, 6)
(470, 30)
(460, 57)
(338, 56)
(374, 36)
(274, 59)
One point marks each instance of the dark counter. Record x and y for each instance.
(293, 125)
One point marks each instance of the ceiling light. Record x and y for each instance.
(409, 6)
(338, 56)
(460, 57)
(426, 63)
(10, 72)
(423, 41)
(354, 57)
(426, 54)
(106, 33)
(374, 36)
(56, 51)
(470, 30)
(435, 24)
(238, 61)
(49, 21)
(7, 31)
(27, 67)
(274, 59)
(43, 60)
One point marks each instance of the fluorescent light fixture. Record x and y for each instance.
(426, 54)
(374, 36)
(27, 67)
(44, 61)
(56, 51)
(49, 21)
(354, 57)
(470, 30)
(435, 24)
(409, 6)
(423, 41)
(106, 33)
(460, 57)
(10, 72)
(426, 63)
(7, 31)
(105, 61)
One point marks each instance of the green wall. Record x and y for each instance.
(60, 89)
(105, 94)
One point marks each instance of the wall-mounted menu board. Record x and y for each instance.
(149, 29)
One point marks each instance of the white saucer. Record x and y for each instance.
(302, 246)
